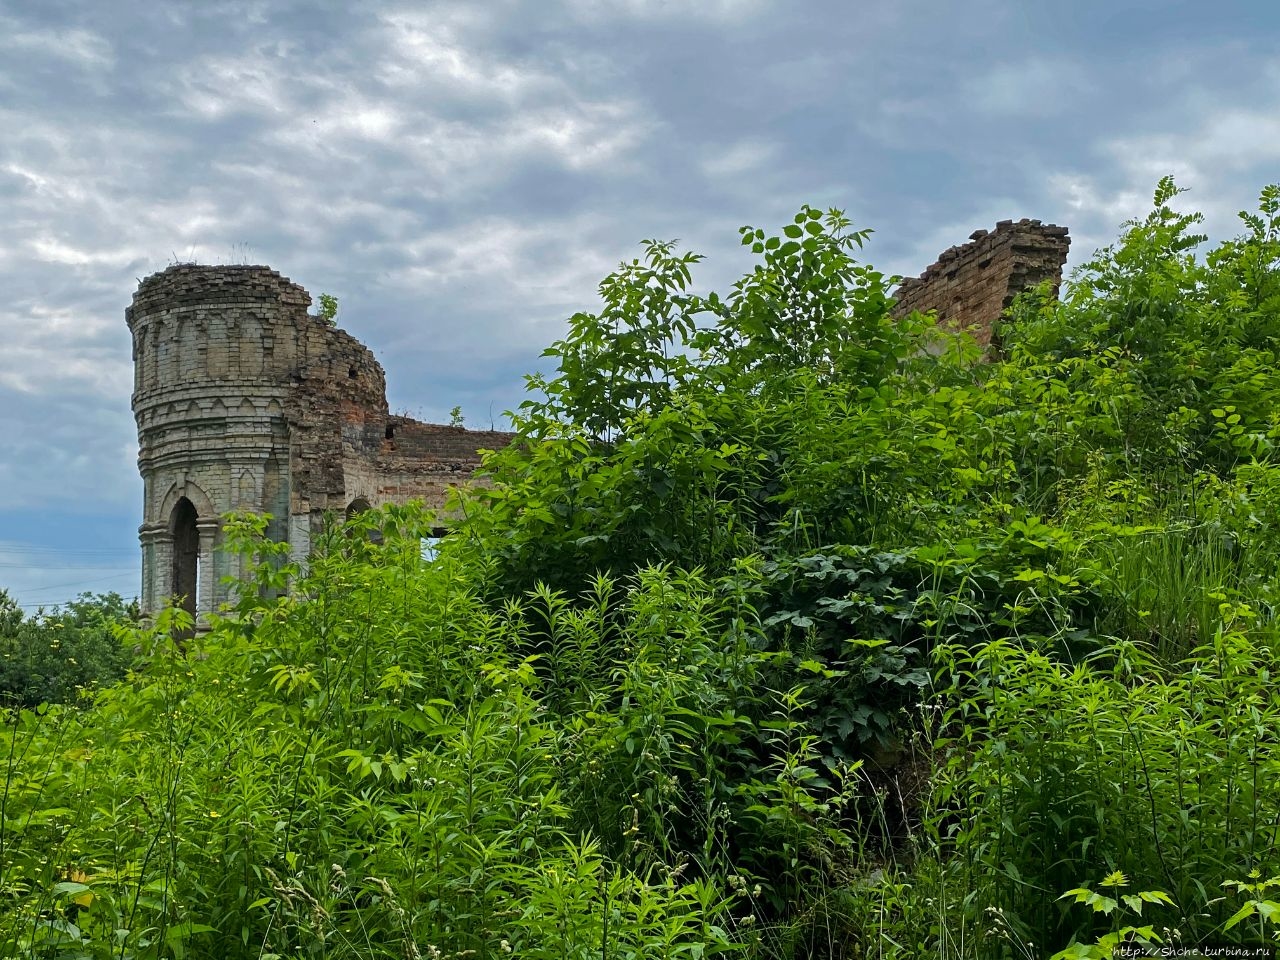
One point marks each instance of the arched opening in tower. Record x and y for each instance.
(186, 555)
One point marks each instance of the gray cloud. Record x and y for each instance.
(461, 175)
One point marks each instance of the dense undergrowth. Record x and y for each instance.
(61, 653)
(785, 629)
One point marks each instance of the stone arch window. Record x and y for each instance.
(184, 577)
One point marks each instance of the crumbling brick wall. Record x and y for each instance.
(421, 461)
(971, 285)
(337, 399)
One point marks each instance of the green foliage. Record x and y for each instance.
(328, 311)
(64, 654)
(627, 359)
(1168, 776)
(1132, 936)
(663, 440)
(1154, 345)
(1263, 912)
(785, 628)
(369, 768)
(809, 305)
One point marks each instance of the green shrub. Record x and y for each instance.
(63, 654)
(1058, 773)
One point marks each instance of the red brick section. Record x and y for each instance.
(973, 284)
(439, 442)
(346, 443)
(420, 461)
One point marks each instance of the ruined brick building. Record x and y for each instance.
(245, 401)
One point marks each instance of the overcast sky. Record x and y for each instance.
(461, 176)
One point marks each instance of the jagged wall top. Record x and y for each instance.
(970, 285)
(194, 322)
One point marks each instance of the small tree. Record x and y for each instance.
(328, 309)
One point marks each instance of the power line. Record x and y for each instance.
(31, 605)
(56, 554)
(35, 545)
(32, 545)
(76, 583)
(60, 566)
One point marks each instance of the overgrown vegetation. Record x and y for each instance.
(786, 628)
(62, 654)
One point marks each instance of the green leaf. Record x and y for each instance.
(1076, 951)
(1248, 910)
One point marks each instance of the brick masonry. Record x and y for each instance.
(971, 285)
(246, 402)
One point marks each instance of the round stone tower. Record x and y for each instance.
(214, 350)
(246, 402)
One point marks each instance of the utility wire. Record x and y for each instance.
(77, 583)
(32, 605)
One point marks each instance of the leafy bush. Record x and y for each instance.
(1116, 764)
(63, 654)
(785, 628)
(370, 768)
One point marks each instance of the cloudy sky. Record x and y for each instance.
(461, 175)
